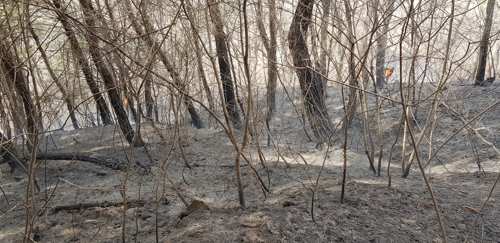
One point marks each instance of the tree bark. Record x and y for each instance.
(195, 118)
(21, 87)
(224, 66)
(271, 45)
(483, 46)
(65, 96)
(102, 107)
(201, 73)
(114, 96)
(382, 43)
(5, 123)
(311, 82)
(323, 42)
(148, 80)
(110, 162)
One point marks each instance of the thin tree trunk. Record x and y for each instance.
(13, 67)
(382, 42)
(323, 42)
(271, 46)
(14, 106)
(21, 87)
(224, 66)
(311, 82)
(483, 46)
(65, 96)
(271, 63)
(201, 73)
(195, 118)
(5, 123)
(102, 107)
(114, 96)
(148, 96)
(353, 98)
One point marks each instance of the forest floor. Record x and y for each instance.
(371, 211)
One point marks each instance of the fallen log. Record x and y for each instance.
(110, 162)
(130, 204)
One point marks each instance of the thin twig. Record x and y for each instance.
(481, 210)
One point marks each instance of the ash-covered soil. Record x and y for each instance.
(304, 199)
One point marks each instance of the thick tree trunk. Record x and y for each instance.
(224, 66)
(102, 107)
(311, 82)
(114, 96)
(483, 46)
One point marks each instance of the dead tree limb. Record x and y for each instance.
(138, 203)
(110, 162)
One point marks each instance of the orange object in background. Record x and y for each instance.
(388, 72)
(125, 101)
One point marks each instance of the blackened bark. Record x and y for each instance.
(483, 46)
(380, 62)
(102, 107)
(110, 162)
(114, 96)
(148, 96)
(311, 82)
(224, 66)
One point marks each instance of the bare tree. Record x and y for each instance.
(111, 87)
(326, 4)
(201, 73)
(271, 46)
(311, 81)
(224, 65)
(102, 107)
(16, 76)
(382, 40)
(66, 97)
(163, 58)
(483, 46)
